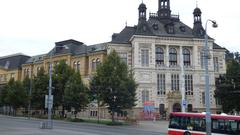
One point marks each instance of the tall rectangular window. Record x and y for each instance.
(202, 59)
(216, 64)
(175, 82)
(145, 57)
(161, 86)
(203, 98)
(1, 78)
(145, 96)
(189, 84)
(218, 101)
(123, 57)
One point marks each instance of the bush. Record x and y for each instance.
(76, 120)
(114, 123)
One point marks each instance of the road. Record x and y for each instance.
(23, 126)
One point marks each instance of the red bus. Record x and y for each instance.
(194, 124)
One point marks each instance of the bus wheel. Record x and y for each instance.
(187, 133)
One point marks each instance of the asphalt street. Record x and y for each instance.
(23, 126)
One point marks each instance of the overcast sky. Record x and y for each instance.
(33, 26)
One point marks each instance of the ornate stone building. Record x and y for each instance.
(165, 54)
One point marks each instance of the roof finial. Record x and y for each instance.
(196, 3)
(126, 23)
(142, 1)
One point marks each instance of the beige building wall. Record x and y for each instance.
(146, 76)
(6, 75)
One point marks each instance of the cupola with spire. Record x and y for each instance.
(164, 11)
(142, 12)
(198, 30)
(143, 27)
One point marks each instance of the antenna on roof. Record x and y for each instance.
(196, 3)
(126, 23)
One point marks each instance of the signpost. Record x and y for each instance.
(50, 100)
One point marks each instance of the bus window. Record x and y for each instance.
(214, 124)
(175, 122)
(232, 126)
(221, 125)
(196, 124)
(202, 125)
(184, 122)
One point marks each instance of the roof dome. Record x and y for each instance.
(142, 6)
(197, 11)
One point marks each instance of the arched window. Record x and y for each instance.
(93, 65)
(28, 72)
(78, 66)
(159, 56)
(172, 57)
(25, 73)
(186, 57)
(74, 65)
(97, 61)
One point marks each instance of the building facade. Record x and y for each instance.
(167, 58)
(165, 54)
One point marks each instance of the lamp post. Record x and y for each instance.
(207, 97)
(30, 91)
(50, 97)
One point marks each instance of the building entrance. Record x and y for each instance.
(176, 107)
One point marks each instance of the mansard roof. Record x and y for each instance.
(13, 62)
(154, 28)
(35, 59)
(216, 46)
(124, 36)
(74, 48)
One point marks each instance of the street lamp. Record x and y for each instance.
(30, 91)
(207, 97)
(50, 97)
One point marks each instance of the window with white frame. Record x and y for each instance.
(202, 59)
(97, 62)
(161, 86)
(186, 57)
(216, 64)
(123, 57)
(175, 82)
(93, 64)
(78, 66)
(203, 98)
(12, 75)
(145, 57)
(189, 84)
(159, 56)
(172, 57)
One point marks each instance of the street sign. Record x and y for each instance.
(184, 103)
(50, 100)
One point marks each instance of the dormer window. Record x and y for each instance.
(182, 28)
(170, 29)
(155, 26)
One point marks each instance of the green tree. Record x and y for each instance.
(26, 87)
(76, 93)
(114, 84)
(14, 94)
(62, 73)
(228, 86)
(40, 89)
